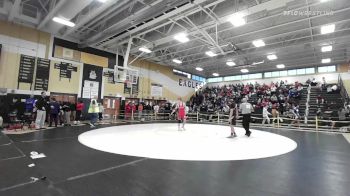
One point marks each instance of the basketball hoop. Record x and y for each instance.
(125, 74)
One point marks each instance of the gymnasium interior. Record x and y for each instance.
(174, 97)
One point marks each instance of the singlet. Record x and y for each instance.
(181, 109)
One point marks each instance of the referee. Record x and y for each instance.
(246, 109)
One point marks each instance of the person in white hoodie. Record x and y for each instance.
(266, 115)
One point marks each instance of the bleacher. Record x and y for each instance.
(332, 102)
(303, 100)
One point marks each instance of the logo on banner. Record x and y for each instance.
(92, 75)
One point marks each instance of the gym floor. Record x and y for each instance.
(318, 166)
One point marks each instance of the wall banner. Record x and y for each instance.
(190, 83)
(92, 81)
(156, 90)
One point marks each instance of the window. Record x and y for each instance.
(211, 80)
(267, 75)
(283, 73)
(292, 72)
(198, 78)
(310, 70)
(332, 68)
(325, 69)
(255, 76)
(229, 78)
(245, 77)
(238, 77)
(276, 74)
(300, 71)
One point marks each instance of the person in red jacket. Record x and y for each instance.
(79, 111)
(133, 109)
(127, 110)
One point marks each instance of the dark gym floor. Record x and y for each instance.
(319, 166)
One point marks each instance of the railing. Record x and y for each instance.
(313, 123)
(307, 103)
(343, 92)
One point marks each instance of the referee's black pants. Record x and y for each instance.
(246, 121)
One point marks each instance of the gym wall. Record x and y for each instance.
(17, 40)
(151, 73)
(63, 84)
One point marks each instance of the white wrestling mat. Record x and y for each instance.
(199, 142)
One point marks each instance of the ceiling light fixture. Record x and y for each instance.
(230, 63)
(145, 50)
(177, 61)
(102, 1)
(237, 19)
(327, 48)
(257, 63)
(210, 53)
(181, 37)
(63, 21)
(258, 43)
(326, 29)
(244, 70)
(280, 66)
(271, 57)
(215, 74)
(326, 60)
(199, 69)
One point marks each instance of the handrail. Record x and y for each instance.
(223, 118)
(343, 91)
(307, 103)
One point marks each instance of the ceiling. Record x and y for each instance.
(295, 38)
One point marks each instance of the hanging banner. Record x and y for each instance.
(26, 69)
(65, 69)
(42, 74)
(156, 90)
(92, 81)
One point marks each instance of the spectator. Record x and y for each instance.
(156, 111)
(127, 111)
(140, 110)
(79, 110)
(320, 99)
(329, 89)
(341, 117)
(101, 110)
(323, 83)
(40, 106)
(73, 109)
(93, 111)
(54, 111)
(314, 82)
(148, 109)
(30, 104)
(67, 113)
(319, 113)
(296, 115)
(308, 81)
(334, 88)
(266, 115)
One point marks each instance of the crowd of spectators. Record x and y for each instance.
(280, 95)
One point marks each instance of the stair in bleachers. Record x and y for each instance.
(302, 102)
(332, 102)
